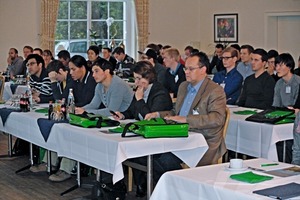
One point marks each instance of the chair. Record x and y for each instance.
(2, 83)
(225, 156)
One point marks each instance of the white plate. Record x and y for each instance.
(236, 170)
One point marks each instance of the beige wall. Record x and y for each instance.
(180, 22)
(19, 22)
(175, 22)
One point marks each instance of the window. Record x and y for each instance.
(82, 23)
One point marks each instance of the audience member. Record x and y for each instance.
(64, 57)
(297, 70)
(125, 63)
(244, 67)
(285, 94)
(296, 133)
(175, 71)
(151, 56)
(111, 92)
(150, 95)
(14, 62)
(47, 56)
(39, 80)
(216, 61)
(187, 52)
(38, 51)
(272, 54)
(27, 50)
(202, 104)
(106, 54)
(230, 79)
(258, 89)
(93, 56)
(61, 80)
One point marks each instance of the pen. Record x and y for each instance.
(269, 164)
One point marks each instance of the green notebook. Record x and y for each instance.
(245, 112)
(250, 177)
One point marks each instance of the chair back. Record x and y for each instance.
(2, 83)
(224, 134)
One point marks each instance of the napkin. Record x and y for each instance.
(5, 112)
(245, 112)
(45, 126)
(250, 177)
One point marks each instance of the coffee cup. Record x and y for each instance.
(236, 163)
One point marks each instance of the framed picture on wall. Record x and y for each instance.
(226, 28)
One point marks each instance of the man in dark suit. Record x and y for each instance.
(202, 104)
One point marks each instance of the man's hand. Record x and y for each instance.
(79, 110)
(176, 118)
(151, 115)
(52, 76)
(139, 93)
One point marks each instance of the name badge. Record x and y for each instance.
(288, 89)
(195, 112)
(222, 85)
(176, 78)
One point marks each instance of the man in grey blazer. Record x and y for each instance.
(202, 104)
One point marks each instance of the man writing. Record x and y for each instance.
(202, 104)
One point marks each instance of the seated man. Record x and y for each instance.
(106, 54)
(285, 94)
(64, 57)
(61, 80)
(272, 54)
(39, 80)
(14, 62)
(258, 89)
(202, 104)
(230, 79)
(175, 71)
(111, 92)
(244, 67)
(151, 56)
(216, 62)
(125, 63)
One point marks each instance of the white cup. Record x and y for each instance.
(236, 163)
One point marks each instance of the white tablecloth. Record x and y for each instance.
(255, 139)
(102, 150)
(213, 183)
(7, 93)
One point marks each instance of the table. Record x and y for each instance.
(213, 183)
(101, 150)
(7, 93)
(255, 139)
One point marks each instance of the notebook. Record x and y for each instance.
(281, 192)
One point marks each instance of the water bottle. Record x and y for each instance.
(71, 101)
(63, 108)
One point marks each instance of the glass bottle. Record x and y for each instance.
(50, 110)
(71, 101)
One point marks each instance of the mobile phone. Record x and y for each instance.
(113, 113)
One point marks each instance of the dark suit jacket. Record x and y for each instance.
(210, 103)
(158, 100)
(170, 83)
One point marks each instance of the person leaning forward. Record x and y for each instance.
(202, 104)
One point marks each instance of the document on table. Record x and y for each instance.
(281, 192)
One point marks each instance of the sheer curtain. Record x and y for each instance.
(49, 13)
(142, 14)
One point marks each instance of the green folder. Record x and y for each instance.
(245, 112)
(250, 177)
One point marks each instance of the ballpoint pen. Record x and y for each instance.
(269, 164)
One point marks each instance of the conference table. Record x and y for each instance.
(255, 139)
(214, 183)
(99, 148)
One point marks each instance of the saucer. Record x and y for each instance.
(236, 170)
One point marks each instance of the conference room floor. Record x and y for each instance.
(27, 185)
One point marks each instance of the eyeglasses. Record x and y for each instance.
(191, 68)
(226, 58)
(30, 64)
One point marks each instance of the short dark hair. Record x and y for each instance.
(248, 47)
(153, 46)
(202, 59)
(28, 47)
(219, 46)
(104, 65)
(190, 48)
(146, 70)
(107, 48)
(287, 59)
(48, 52)
(15, 50)
(95, 49)
(272, 54)
(262, 53)
(79, 61)
(118, 50)
(38, 49)
(39, 59)
(64, 54)
(55, 65)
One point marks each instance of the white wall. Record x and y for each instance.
(195, 19)
(20, 25)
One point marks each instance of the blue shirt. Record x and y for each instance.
(189, 98)
(245, 69)
(233, 81)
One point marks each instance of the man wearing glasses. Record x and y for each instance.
(230, 79)
(39, 80)
(202, 104)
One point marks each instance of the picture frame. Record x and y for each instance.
(226, 28)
